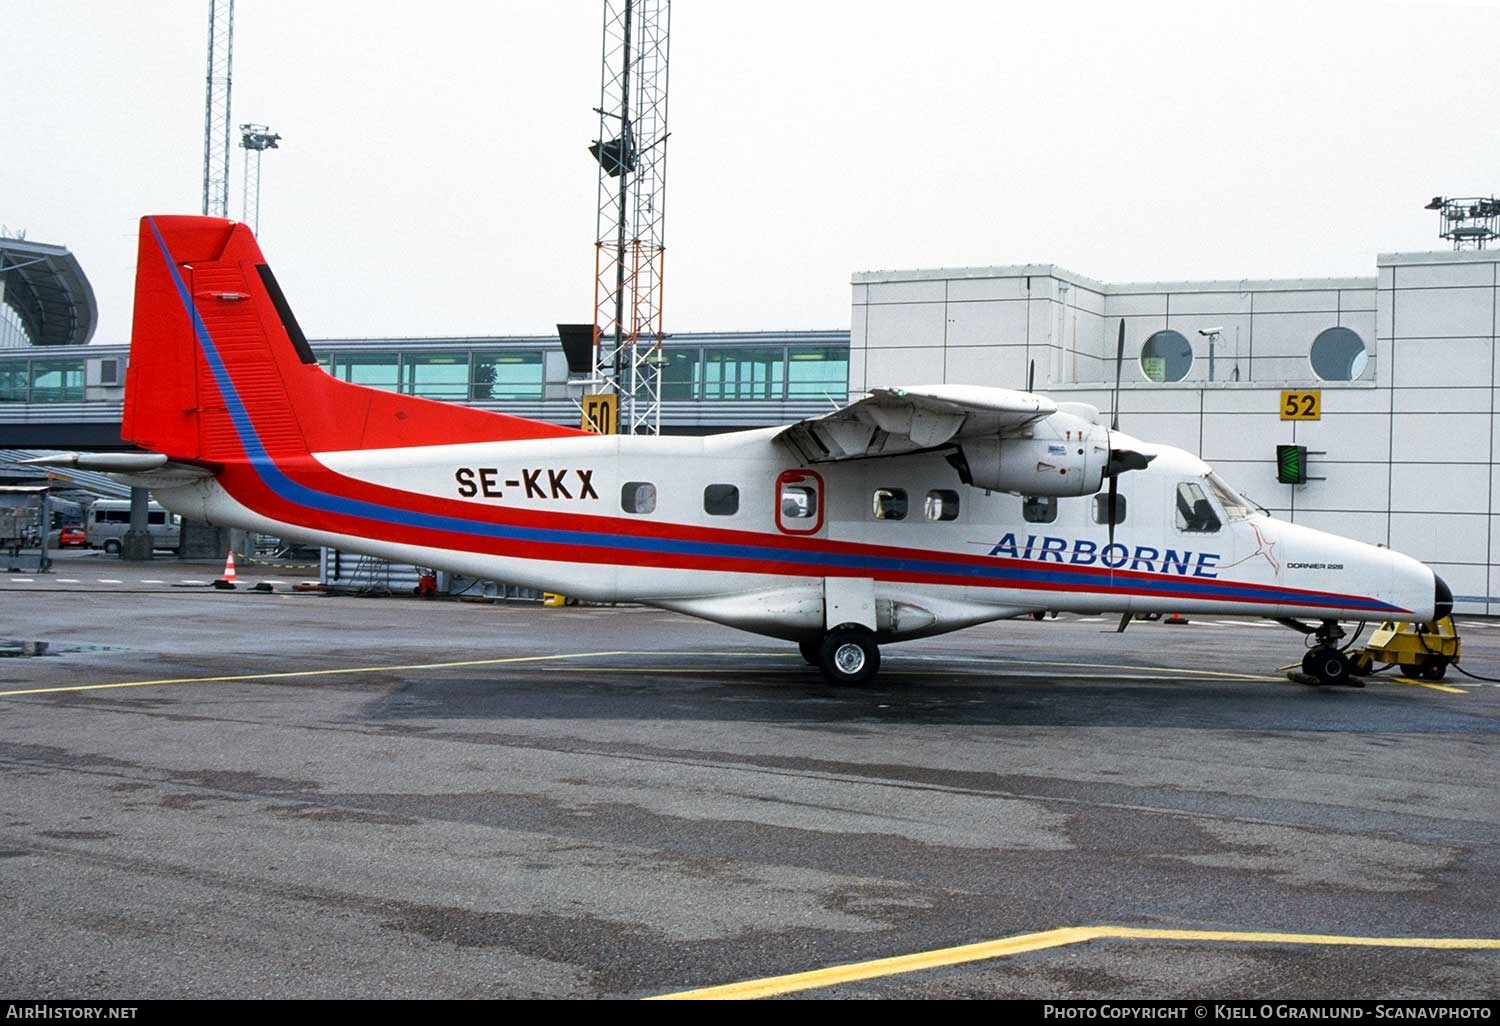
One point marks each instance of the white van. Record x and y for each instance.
(109, 519)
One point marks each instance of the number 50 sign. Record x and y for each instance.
(1302, 405)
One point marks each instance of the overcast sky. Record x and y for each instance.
(433, 177)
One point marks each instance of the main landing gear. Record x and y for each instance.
(846, 655)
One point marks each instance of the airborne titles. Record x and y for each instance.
(1115, 556)
(537, 482)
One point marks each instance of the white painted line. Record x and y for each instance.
(110, 580)
(22, 580)
(1247, 623)
(192, 582)
(68, 580)
(272, 581)
(152, 580)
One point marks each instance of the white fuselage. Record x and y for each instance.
(570, 515)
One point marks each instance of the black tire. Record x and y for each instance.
(1329, 665)
(1412, 669)
(1434, 669)
(112, 546)
(849, 656)
(812, 651)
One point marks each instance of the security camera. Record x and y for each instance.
(1205, 332)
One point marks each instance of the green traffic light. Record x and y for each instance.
(1291, 464)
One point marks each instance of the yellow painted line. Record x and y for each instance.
(317, 673)
(835, 975)
(1430, 684)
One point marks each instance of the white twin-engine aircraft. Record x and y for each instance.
(906, 514)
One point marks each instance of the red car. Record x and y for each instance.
(71, 536)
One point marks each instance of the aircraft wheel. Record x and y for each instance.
(849, 656)
(1329, 665)
(811, 651)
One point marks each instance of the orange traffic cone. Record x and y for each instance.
(1176, 618)
(227, 581)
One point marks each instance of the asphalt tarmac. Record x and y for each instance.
(233, 794)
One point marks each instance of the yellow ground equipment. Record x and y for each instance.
(1422, 650)
(553, 600)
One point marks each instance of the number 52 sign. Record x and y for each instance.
(1302, 405)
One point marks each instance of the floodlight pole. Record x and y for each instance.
(255, 139)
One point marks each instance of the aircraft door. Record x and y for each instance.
(799, 502)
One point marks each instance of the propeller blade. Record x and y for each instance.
(1114, 420)
(1031, 377)
(1114, 494)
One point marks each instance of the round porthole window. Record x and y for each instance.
(1166, 356)
(1338, 354)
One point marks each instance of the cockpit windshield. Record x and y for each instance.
(1236, 506)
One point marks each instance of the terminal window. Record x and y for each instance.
(1166, 356)
(1338, 354)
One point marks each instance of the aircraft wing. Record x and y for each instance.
(895, 421)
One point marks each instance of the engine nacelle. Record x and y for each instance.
(1065, 455)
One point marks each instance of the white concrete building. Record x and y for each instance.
(1405, 363)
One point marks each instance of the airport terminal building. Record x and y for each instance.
(1401, 365)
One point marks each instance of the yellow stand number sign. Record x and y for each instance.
(1302, 405)
(601, 414)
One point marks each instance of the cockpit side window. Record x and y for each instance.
(1195, 513)
(1236, 506)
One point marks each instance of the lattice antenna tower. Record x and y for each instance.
(629, 255)
(1469, 222)
(216, 122)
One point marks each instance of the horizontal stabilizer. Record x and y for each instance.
(111, 462)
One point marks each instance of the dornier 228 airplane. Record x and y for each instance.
(906, 514)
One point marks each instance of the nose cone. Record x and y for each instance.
(1442, 598)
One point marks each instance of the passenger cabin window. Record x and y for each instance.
(798, 502)
(721, 500)
(1039, 509)
(1194, 512)
(942, 505)
(1102, 510)
(638, 497)
(890, 504)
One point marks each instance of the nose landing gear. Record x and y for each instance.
(1325, 662)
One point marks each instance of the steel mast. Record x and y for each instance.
(216, 122)
(629, 253)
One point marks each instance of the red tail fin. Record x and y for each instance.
(217, 357)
